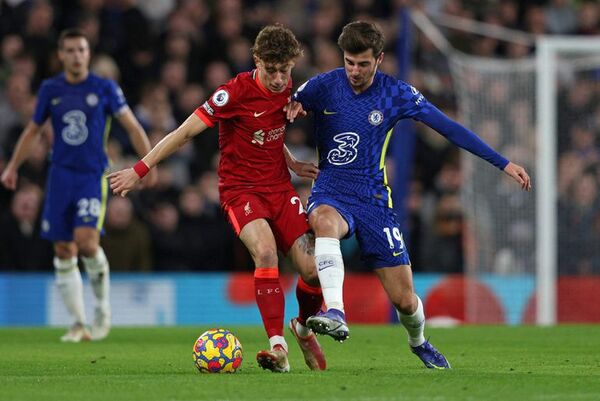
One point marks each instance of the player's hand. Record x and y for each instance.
(9, 178)
(305, 170)
(294, 109)
(519, 174)
(150, 179)
(123, 181)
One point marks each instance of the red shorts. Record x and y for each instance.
(282, 210)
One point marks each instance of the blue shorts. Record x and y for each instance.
(73, 199)
(376, 227)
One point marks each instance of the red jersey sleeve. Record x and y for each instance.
(222, 105)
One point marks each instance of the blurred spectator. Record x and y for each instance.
(21, 247)
(589, 18)
(443, 244)
(169, 244)
(579, 218)
(172, 53)
(126, 241)
(13, 102)
(211, 238)
(561, 17)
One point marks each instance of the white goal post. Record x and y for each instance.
(517, 101)
(548, 48)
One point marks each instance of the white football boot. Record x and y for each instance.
(77, 332)
(101, 325)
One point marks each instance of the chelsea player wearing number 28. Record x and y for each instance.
(80, 106)
(355, 109)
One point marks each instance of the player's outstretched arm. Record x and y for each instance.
(30, 135)
(123, 181)
(300, 168)
(294, 109)
(468, 140)
(139, 140)
(519, 174)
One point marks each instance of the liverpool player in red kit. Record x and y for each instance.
(255, 188)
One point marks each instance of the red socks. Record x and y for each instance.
(270, 299)
(309, 299)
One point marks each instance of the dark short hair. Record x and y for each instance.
(276, 44)
(360, 36)
(70, 34)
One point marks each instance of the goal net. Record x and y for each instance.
(536, 250)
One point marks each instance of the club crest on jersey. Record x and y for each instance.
(247, 208)
(221, 97)
(91, 99)
(375, 117)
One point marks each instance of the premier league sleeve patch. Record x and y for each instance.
(220, 98)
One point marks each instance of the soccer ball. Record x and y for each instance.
(217, 351)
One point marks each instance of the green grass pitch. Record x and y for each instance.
(489, 363)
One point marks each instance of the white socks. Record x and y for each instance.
(414, 324)
(70, 286)
(330, 269)
(98, 272)
(278, 340)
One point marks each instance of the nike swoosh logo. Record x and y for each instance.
(397, 253)
(259, 114)
(329, 112)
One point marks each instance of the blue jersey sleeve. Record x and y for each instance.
(116, 100)
(460, 136)
(308, 94)
(413, 104)
(42, 107)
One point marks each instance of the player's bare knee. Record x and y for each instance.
(265, 256)
(87, 247)
(324, 225)
(64, 253)
(65, 250)
(310, 277)
(405, 303)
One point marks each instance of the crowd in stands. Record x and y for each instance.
(169, 55)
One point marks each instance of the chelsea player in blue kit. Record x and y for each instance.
(355, 109)
(80, 105)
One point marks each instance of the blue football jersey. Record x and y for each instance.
(81, 115)
(352, 131)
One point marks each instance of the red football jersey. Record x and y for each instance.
(251, 133)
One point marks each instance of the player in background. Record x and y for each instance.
(80, 105)
(255, 188)
(355, 109)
